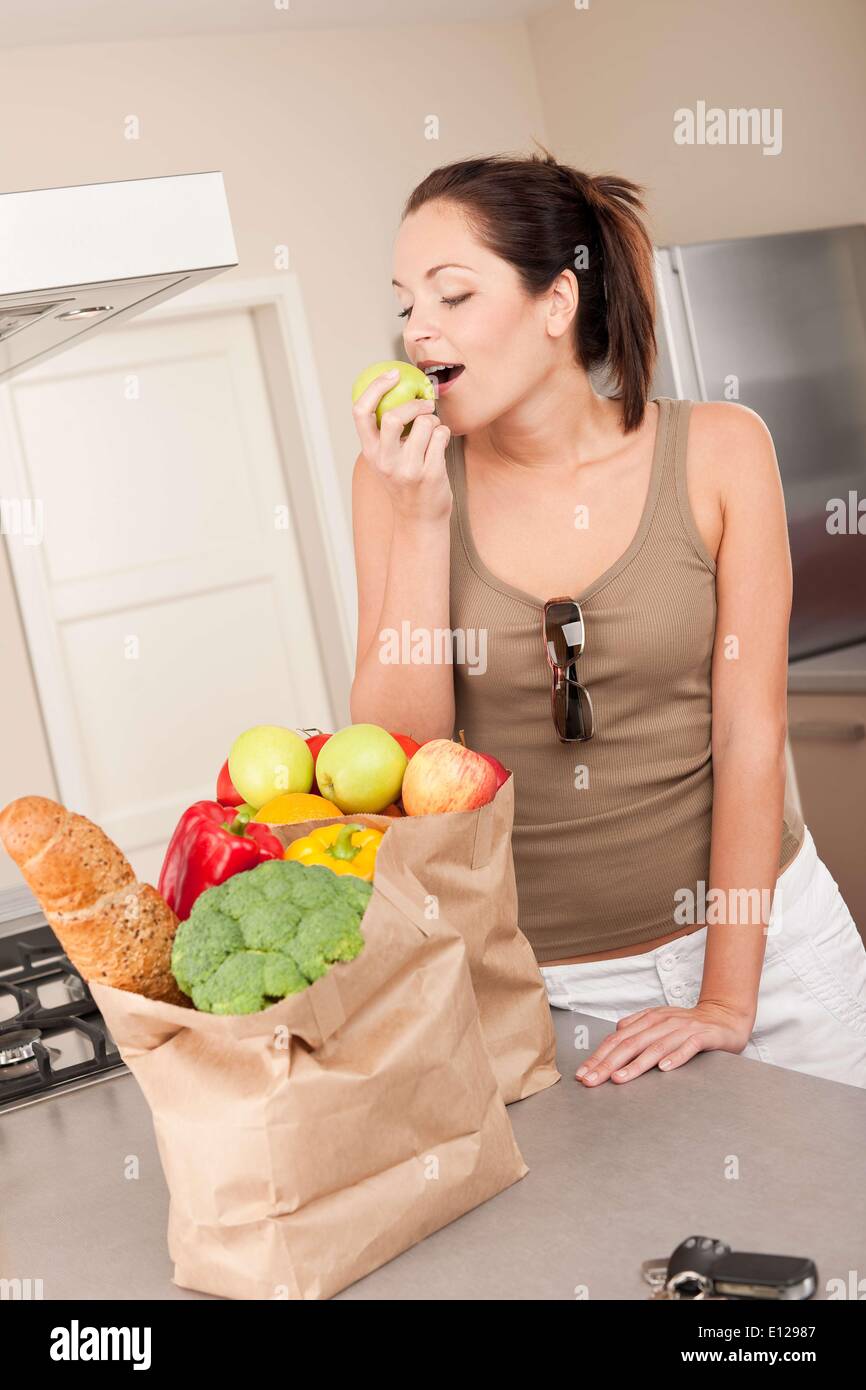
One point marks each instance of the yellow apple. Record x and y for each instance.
(361, 768)
(266, 761)
(412, 385)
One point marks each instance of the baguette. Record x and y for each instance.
(115, 930)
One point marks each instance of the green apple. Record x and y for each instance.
(267, 760)
(361, 768)
(413, 385)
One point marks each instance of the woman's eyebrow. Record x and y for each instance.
(434, 269)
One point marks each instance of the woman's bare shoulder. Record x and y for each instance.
(729, 455)
(727, 443)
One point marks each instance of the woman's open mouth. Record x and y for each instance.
(444, 374)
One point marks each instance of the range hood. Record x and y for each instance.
(74, 259)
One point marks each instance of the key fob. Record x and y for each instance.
(745, 1274)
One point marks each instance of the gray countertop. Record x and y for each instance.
(617, 1175)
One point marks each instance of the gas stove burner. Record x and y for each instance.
(52, 1036)
(17, 1054)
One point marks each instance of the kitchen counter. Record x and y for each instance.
(763, 1157)
(842, 672)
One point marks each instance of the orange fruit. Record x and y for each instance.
(291, 807)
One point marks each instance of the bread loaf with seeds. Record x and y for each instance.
(115, 930)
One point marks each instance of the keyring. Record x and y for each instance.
(689, 1276)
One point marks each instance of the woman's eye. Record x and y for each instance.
(458, 299)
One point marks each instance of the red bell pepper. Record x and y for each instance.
(209, 845)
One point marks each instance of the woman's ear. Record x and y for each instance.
(563, 298)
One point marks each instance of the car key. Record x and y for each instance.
(698, 1253)
(745, 1274)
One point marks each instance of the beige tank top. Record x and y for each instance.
(607, 831)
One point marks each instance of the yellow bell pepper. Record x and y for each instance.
(346, 849)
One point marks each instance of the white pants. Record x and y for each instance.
(811, 1013)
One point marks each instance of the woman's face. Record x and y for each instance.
(462, 304)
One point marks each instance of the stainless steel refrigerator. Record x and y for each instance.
(779, 324)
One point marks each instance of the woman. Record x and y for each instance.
(626, 561)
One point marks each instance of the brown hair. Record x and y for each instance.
(535, 213)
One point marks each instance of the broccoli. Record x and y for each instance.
(328, 934)
(245, 980)
(267, 933)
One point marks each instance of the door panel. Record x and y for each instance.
(145, 508)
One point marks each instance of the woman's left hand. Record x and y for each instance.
(665, 1038)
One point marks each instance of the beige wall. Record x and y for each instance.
(320, 137)
(612, 76)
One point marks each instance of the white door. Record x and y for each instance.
(166, 606)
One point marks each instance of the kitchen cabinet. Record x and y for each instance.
(827, 734)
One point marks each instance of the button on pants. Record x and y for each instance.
(811, 1013)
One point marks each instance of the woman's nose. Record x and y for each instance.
(422, 330)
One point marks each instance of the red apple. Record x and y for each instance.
(502, 773)
(409, 745)
(315, 743)
(446, 776)
(226, 792)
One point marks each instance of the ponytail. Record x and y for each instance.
(624, 335)
(538, 214)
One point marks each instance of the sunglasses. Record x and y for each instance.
(564, 641)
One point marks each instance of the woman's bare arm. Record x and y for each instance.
(403, 575)
(749, 693)
(401, 506)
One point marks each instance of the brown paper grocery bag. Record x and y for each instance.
(305, 1145)
(464, 864)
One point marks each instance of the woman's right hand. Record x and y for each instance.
(412, 469)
